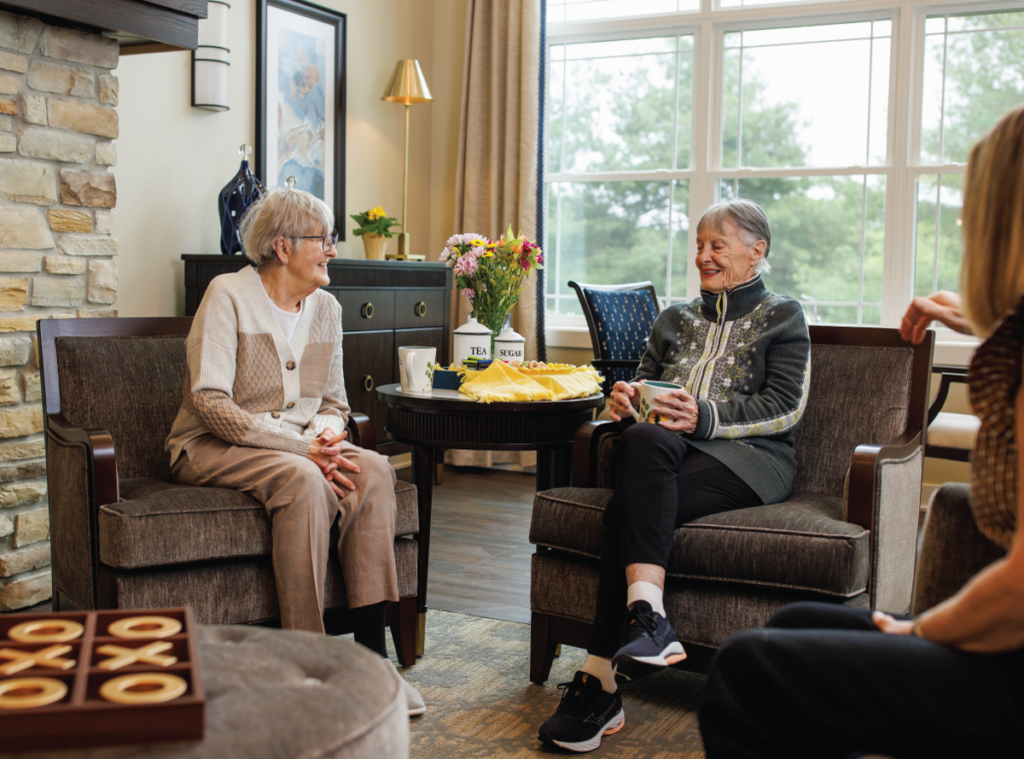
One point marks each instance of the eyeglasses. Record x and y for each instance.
(328, 241)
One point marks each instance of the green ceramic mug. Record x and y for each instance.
(649, 390)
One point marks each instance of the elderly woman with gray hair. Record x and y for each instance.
(264, 412)
(740, 358)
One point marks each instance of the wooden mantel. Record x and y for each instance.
(140, 26)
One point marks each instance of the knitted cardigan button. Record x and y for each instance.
(290, 365)
(275, 415)
(291, 405)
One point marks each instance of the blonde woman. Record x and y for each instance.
(829, 681)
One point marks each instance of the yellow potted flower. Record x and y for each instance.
(375, 229)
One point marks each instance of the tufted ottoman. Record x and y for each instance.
(284, 694)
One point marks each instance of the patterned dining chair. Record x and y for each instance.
(620, 318)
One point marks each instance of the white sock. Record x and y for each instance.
(602, 670)
(649, 592)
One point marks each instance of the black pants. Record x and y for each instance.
(822, 681)
(660, 484)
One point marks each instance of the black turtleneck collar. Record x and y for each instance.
(738, 302)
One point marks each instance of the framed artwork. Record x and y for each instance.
(300, 100)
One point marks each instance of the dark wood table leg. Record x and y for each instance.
(554, 468)
(423, 478)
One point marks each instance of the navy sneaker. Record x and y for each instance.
(649, 645)
(585, 714)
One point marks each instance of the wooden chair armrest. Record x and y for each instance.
(360, 431)
(864, 475)
(584, 451)
(102, 459)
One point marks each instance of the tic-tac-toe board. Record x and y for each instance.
(99, 678)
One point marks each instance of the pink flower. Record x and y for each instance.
(446, 256)
(465, 266)
(525, 263)
(469, 293)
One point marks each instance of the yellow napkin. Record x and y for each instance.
(501, 382)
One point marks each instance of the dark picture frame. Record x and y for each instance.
(300, 99)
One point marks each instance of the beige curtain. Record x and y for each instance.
(496, 178)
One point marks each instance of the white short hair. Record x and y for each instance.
(281, 213)
(748, 217)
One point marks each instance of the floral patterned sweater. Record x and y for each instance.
(745, 355)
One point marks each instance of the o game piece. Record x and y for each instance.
(47, 657)
(35, 692)
(163, 688)
(145, 627)
(46, 631)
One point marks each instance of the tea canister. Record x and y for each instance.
(510, 346)
(472, 340)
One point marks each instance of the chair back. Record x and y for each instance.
(124, 376)
(868, 386)
(620, 318)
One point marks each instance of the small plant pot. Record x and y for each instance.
(375, 246)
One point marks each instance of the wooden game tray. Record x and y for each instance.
(83, 717)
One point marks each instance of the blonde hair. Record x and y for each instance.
(992, 274)
(281, 213)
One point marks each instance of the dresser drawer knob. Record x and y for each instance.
(368, 383)
(367, 311)
(421, 309)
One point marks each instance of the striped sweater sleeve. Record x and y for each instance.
(780, 403)
(212, 353)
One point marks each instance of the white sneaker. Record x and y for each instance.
(413, 698)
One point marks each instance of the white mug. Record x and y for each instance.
(649, 389)
(416, 368)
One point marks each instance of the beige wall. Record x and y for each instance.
(174, 159)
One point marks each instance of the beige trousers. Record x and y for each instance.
(302, 507)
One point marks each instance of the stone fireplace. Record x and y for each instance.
(58, 253)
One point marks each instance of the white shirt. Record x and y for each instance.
(286, 320)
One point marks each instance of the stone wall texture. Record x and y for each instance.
(58, 254)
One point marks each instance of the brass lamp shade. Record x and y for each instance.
(407, 84)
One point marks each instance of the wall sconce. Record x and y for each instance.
(210, 60)
(407, 86)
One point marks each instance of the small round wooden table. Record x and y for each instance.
(447, 419)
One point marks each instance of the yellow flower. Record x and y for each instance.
(477, 243)
(375, 213)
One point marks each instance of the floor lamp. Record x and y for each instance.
(407, 86)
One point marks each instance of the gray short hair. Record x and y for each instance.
(281, 213)
(748, 216)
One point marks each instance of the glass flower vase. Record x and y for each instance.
(496, 321)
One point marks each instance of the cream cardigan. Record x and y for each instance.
(246, 384)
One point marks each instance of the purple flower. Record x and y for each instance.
(469, 293)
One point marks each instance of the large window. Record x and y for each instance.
(850, 127)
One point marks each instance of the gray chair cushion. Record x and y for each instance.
(129, 386)
(212, 589)
(157, 523)
(281, 694)
(801, 544)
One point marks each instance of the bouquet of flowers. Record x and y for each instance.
(491, 273)
(374, 222)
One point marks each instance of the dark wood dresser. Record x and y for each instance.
(385, 304)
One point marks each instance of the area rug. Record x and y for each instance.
(474, 678)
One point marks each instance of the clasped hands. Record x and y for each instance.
(678, 405)
(325, 452)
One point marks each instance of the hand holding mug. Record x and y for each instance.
(621, 401)
(662, 403)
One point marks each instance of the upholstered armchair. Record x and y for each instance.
(620, 318)
(847, 534)
(124, 535)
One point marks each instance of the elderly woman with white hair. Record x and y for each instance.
(740, 356)
(264, 411)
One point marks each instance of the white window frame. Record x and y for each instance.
(906, 72)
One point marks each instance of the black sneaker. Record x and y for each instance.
(649, 645)
(585, 714)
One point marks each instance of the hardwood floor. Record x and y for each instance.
(479, 547)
